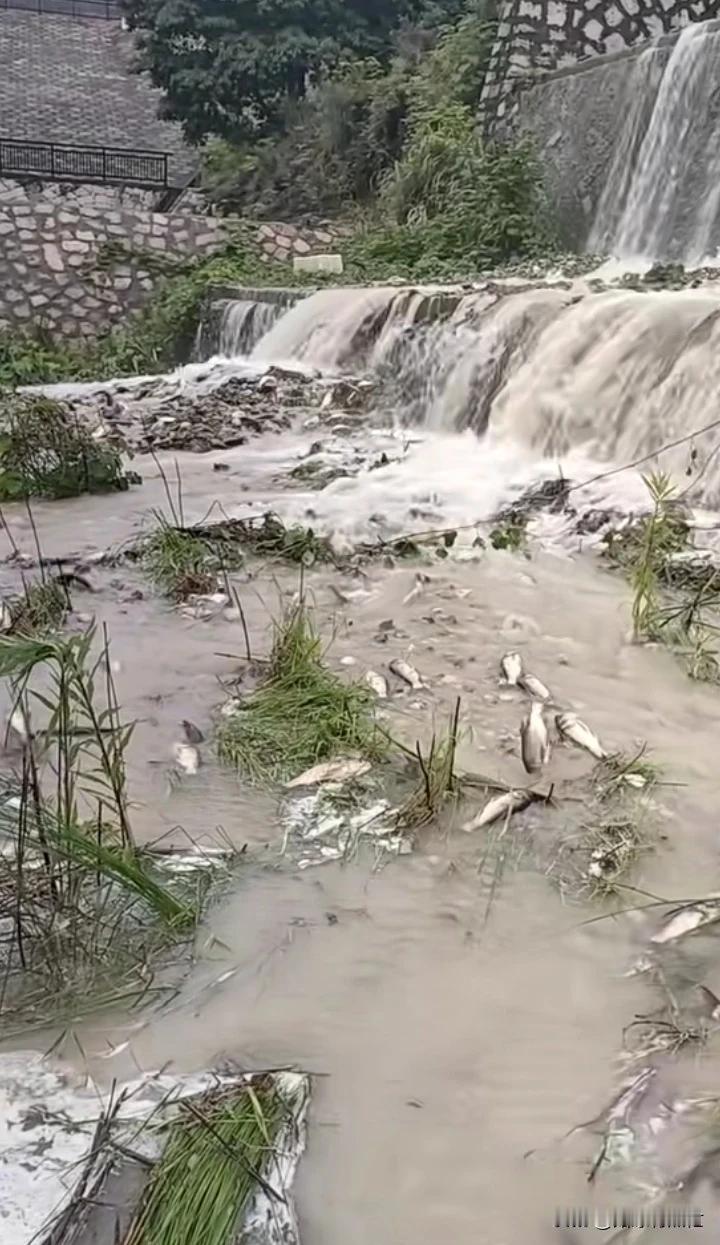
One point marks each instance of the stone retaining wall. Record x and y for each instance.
(538, 36)
(76, 259)
(76, 266)
(282, 242)
(576, 120)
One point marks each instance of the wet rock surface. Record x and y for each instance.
(205, 414)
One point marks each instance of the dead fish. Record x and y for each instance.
(685, 920)
(511, 667)
(6, 618)
(186, 758)
(193, 734)
(570, 727)
(634, 780)
(378, 683)
(534, 740)
(500, 806)
(407, 673)
(421, 582)
(330, 771)
(533, 686)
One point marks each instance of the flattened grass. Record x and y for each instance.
(302, 713)
(212, 1163)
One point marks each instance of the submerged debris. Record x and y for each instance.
(186, 757)
(331, 825)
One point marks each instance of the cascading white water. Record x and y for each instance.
(545, 373)
(668, 207)
(327, 328)
(642, 92)
(243, 323)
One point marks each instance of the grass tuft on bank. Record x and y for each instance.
(301, 714)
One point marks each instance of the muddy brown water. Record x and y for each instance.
(452, 1025)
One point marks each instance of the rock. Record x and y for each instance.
(318, 263)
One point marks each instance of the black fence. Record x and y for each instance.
(59, 162)
(108, 10)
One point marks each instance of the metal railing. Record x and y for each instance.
(60, 161)
(108, 10)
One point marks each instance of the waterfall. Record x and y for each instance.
(667, 206)
(546, 371)
(244, 323)
(642, 93)
(328, 328)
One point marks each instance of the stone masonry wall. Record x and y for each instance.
(281, 242)
(537, 36)
(77, 267)
(76, 259)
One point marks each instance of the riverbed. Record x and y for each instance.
(456, 1013)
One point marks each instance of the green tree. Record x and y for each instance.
(229, 67)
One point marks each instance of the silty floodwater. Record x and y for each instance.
(458, 1012)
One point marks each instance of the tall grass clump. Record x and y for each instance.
(81, 908)
(438, 779)
(675, 602)
(178, 563)
(47, 452)
(41, 608)
(214, 1159)
(301, 714)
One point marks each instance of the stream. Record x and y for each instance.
(456, 1014)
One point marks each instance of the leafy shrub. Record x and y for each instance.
(44, 452)
(27, 359)
(335, 145)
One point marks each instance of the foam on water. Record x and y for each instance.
(457, 480)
